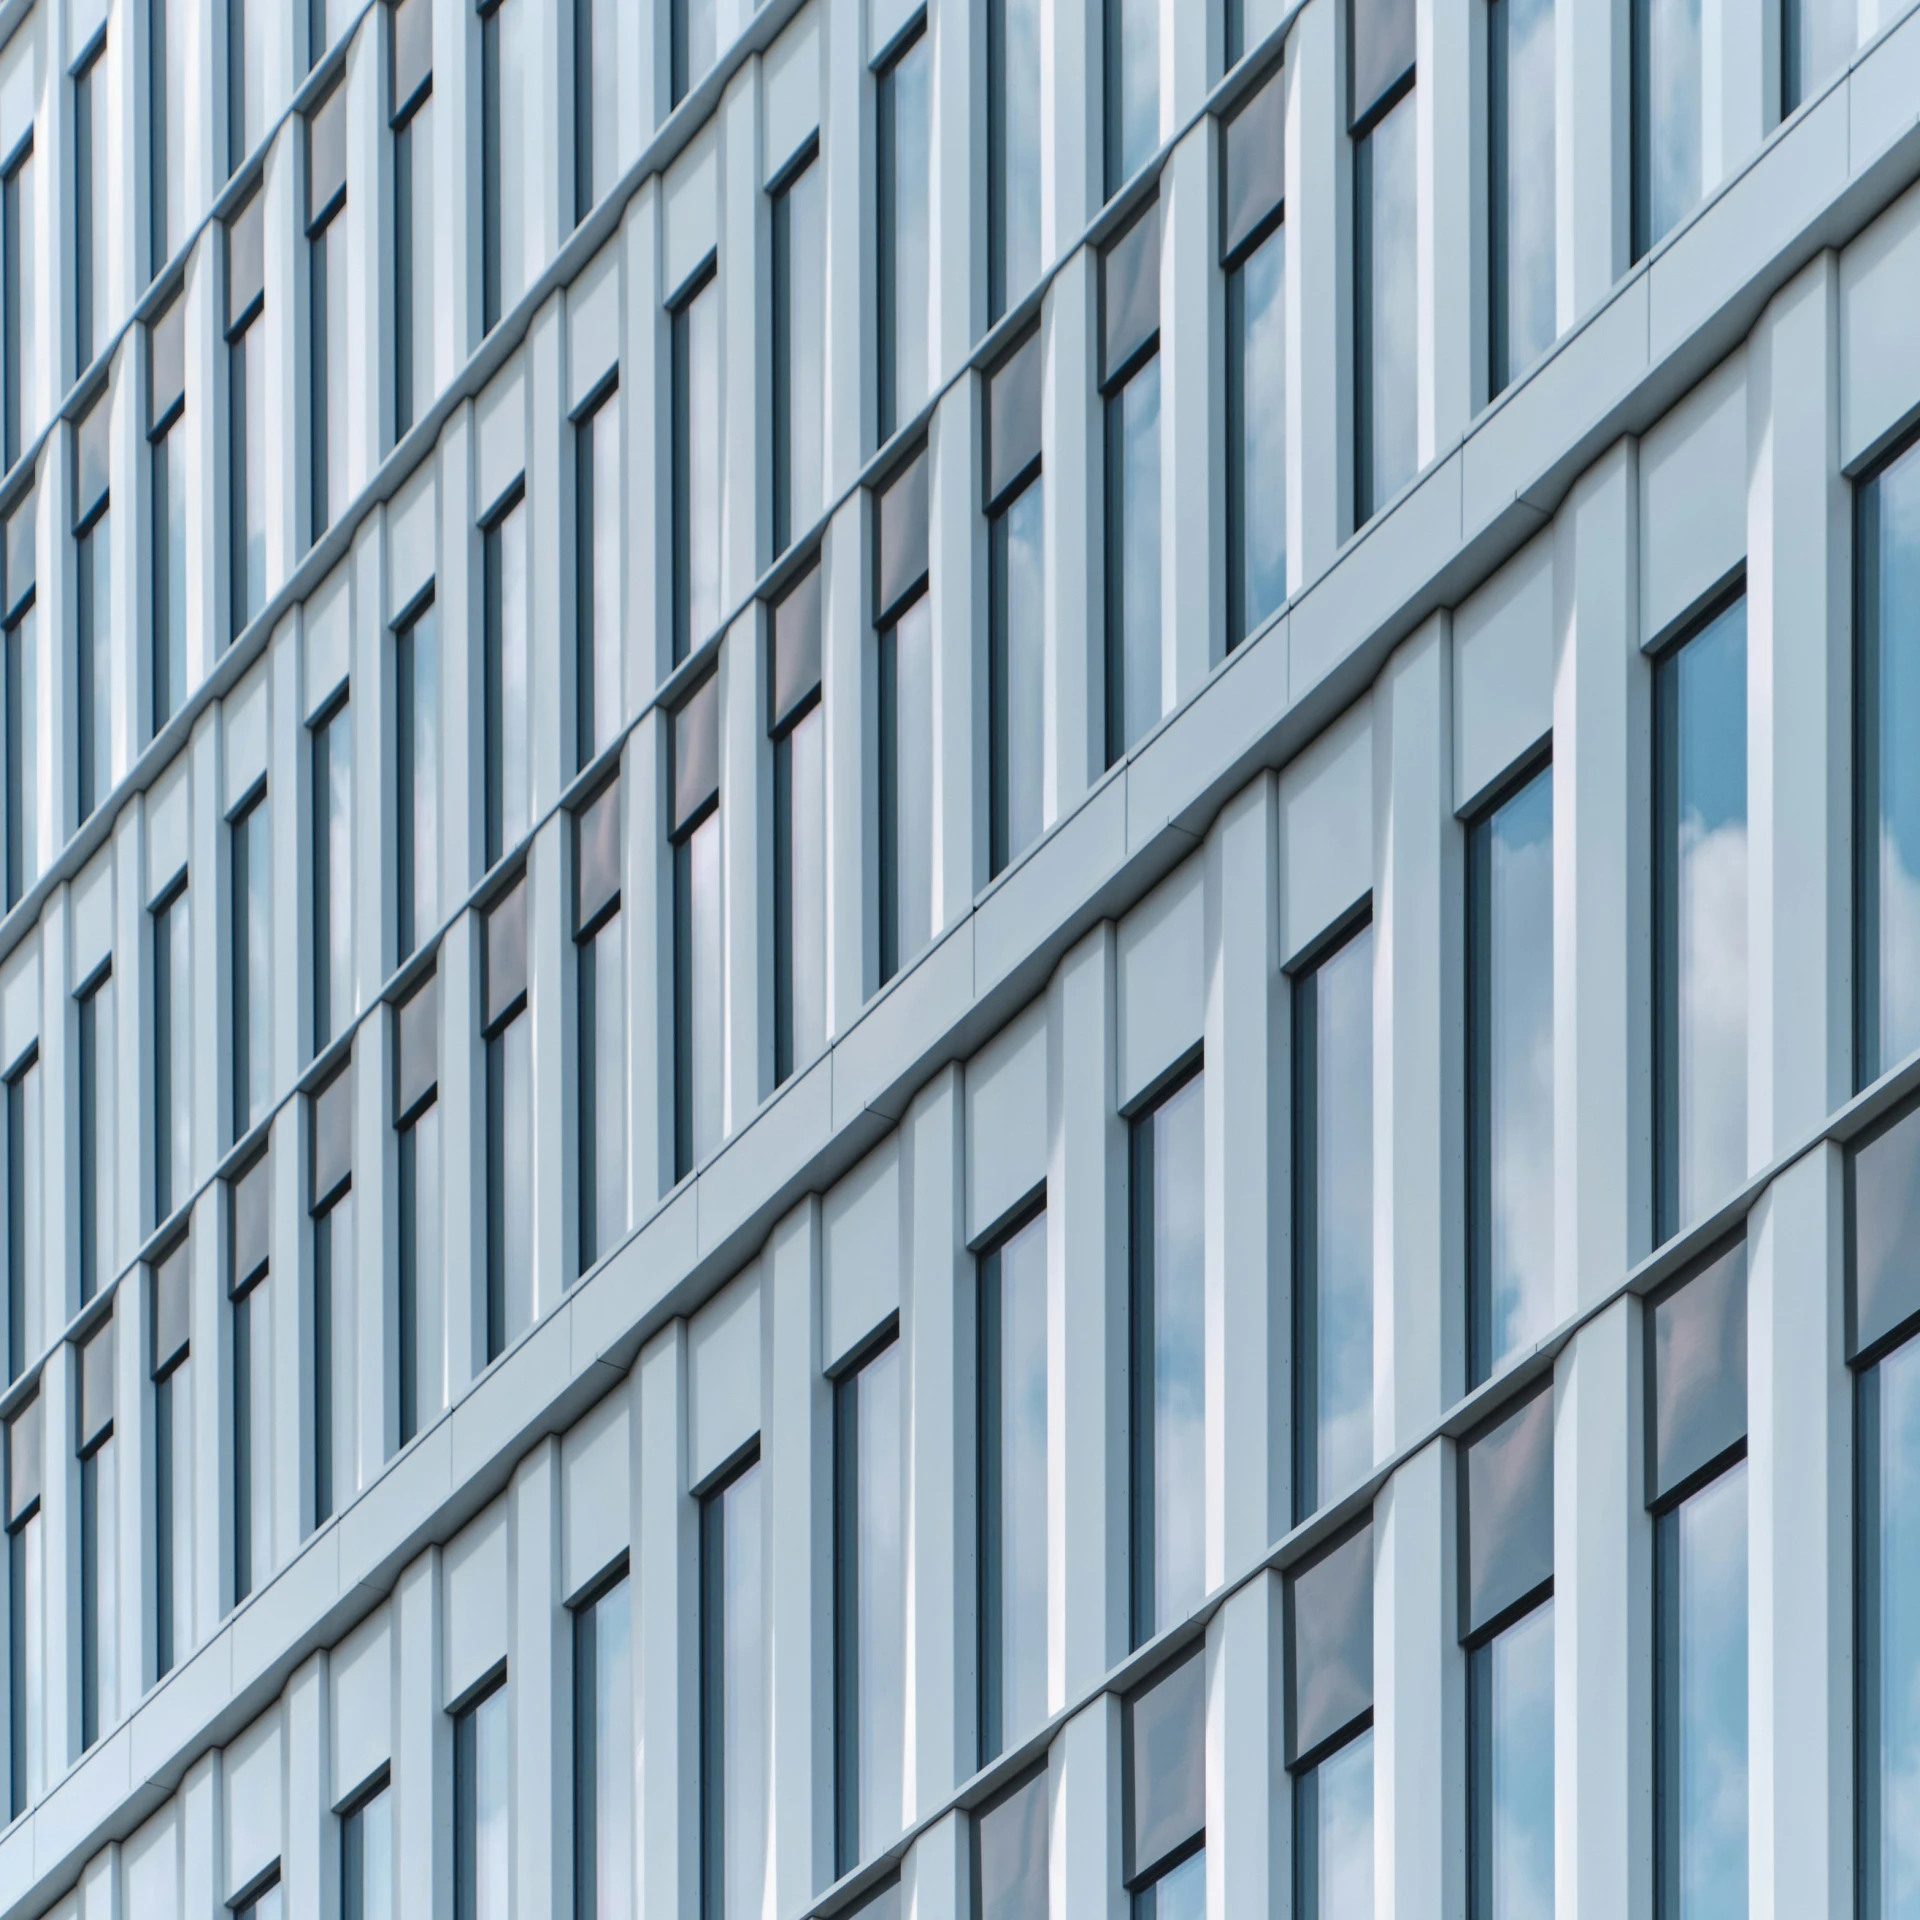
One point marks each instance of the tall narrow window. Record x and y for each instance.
(247, 413)
(411, 117)
(869, 1607)
(246, 79)
(167, 454)
(167, 26)
(18, 636)
(1255, 260)
(366, 1856)
(1333, 1223)
(1817, 39)
(799, 829)
(904, 660)
(1329, 1729)
(26, 1611)
(1012, 1376)
(504, 159)
(600, 950)
(903, 222)
(508, 1034)
(694, 32)
(94, 1064)
(1510, 1076)
(1700, 920)
(172, 1055)
(1130, 388)
(697, 963)
(1248, 24)
(1013, 152)
(1011, 1872)
(20, 269)
(93, 615)
(799, 351)
(1166, 1811)
(327, 20)
(1696, 1366)
(99, 1534)
(732, 1699)
(251, 1376)
(1168, 1252)
(482, 1762)
(696, 465)
(1506, 1508)
(1520, 186)
(171, 1455)
(416, 1120)
(333, 995)
(1669, 108)
(596, 102)
(509, 799)
(25, 1214)
(1016, 631)
(327, 318)
(1386, 308)
(416, 765)
(90, 225)
(603, 1754)
(330, 1200)
(1132, 88)
(251, 916)
(598, 625)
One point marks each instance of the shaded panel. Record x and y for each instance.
(167, 364)
(1330, 1644)
(327, 156)
(1013, 420)
(246, 262)
(1010, 1853)
(1507, 1512)
(796, 647)
(332, 1139)
(250, 1229)
(696, 753)
(170, 1318)
(24, 1467)
(506, 955)
(1697, 1372)
(417, 1048)
(1130, 294)
(1380, 52)
(596, 843)
(1256, 166)
(900, 545)
(90, 465)
(96, 1386)
(1167, 1793)
(1883, 1227)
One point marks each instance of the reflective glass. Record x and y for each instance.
(1819, 38)
(174, 1090)
(603, 988)
(1133, 566)
(806, 744)
(366, 1860)
(1249, 22)
(1511, 1707)
(333, 769)
(734, 1703)
(1670, 103)
(912, 641)
(252, 576)
(93, 564)
(413, 250)
(491, 1784)
(1890, 1636)
(420, 1294)
(1015, 25)
(330, 258)
(1133, 88)
(22, 308)
(1257, 302)
(599, 70)
(1010, 1853)
(702, 452)
(1179, 1895)
(252, 909)
(26, 1266)
(417, 728)
(803, 298)
(23, 755)
(252, 16)
(597, 664)
(879, 1602)
(905, 188)
(604, 1738)
(1521, 72)
(1386, 194)
(513, 1176)
(696, 42)
(1510, 1024)
(517, 42)
(98, 1122)
(1020, 659)
(515, 772)
(170, 573)
(173, 24)
(1334, 1834)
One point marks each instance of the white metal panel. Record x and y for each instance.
(861, 1231)
(791, 73)
(692, 199)
(1503, 671)
(1693, 498)
(363, 1686)
(1326, 830)
(1006, 1120)
(596, 1514)
(1163, 978)
(476, 1600)
(723, 1366)
(152, 1862)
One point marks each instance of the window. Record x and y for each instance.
(172, 1454)
(1386, 313)
(1013, 1486)
(509, 799)
(1016, 630)
(366, 1856)
(1248, 24)
(93, 615)
(246, 79)
(1130, 386)
(694, 32)
(1817, 39)
(330, 1200)
(416, 778)
(1506, 1507)
(252, 919)
(1255, 260)
(168, 26)
(172, 1053)
(1333, 1223)
(603, 1755)
(265, 1903)
(1670, 80)
(1700, 920)
(596, 102)
(1166, 1794)
(327, 294)
(1330, 1728)
(167, 452)
(869, 1606)
(508, 1033)
(90, 227)
(1510, 1076)
(504, 58)
(799, 351)
(1010, 1864)
(25, 1214)
(732, 1699)
(597, 611)
(482, 1888)
(799, 729)
(411, 117)
(20, 267)
(333, 994)
(1013, 152)
(1169, 1360)
(247, 412)
(22, 695)
(252, 1376)
(698, 964)
(903, 615)
(600, 953)
(903, 219)
(327, 20)
(26, 1612)
(94, 1064)
(99, 1534)
(1696, 1368)
(696, 465)
(416, 1119)
(1520, 186)
(1132, 88)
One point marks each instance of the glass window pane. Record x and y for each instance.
(1670, 104)
(802, 294)
(1510, 1021)
(808, 893)
(253, 354)
(604, 1734)
(1179, 1895)
(1257, 369)
(1010, 1854)
(1696, 1371)
(514, 773)
(492, 1784)
(23, 756)
(610, 1103)
(1019, 673)
(1133, 88)
(94, 692)
(876, 1623)
(605, 588)
(1166, 1764)
(696, 43)
(1334, 1834)
(170, 601)
(1015, 26)
(1819, 37)
(419, 804)
(338, 369)
(1890, 1634)
(701, 451)
(333, 768)
(708, 963)
(906, 244)
(733, 1731)
(912, 642)
(1387, 450)
(1133, 565)
(1249, 22)
(176, 30)
(366, 1851)
(1512, 1784)
(1521, 74)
